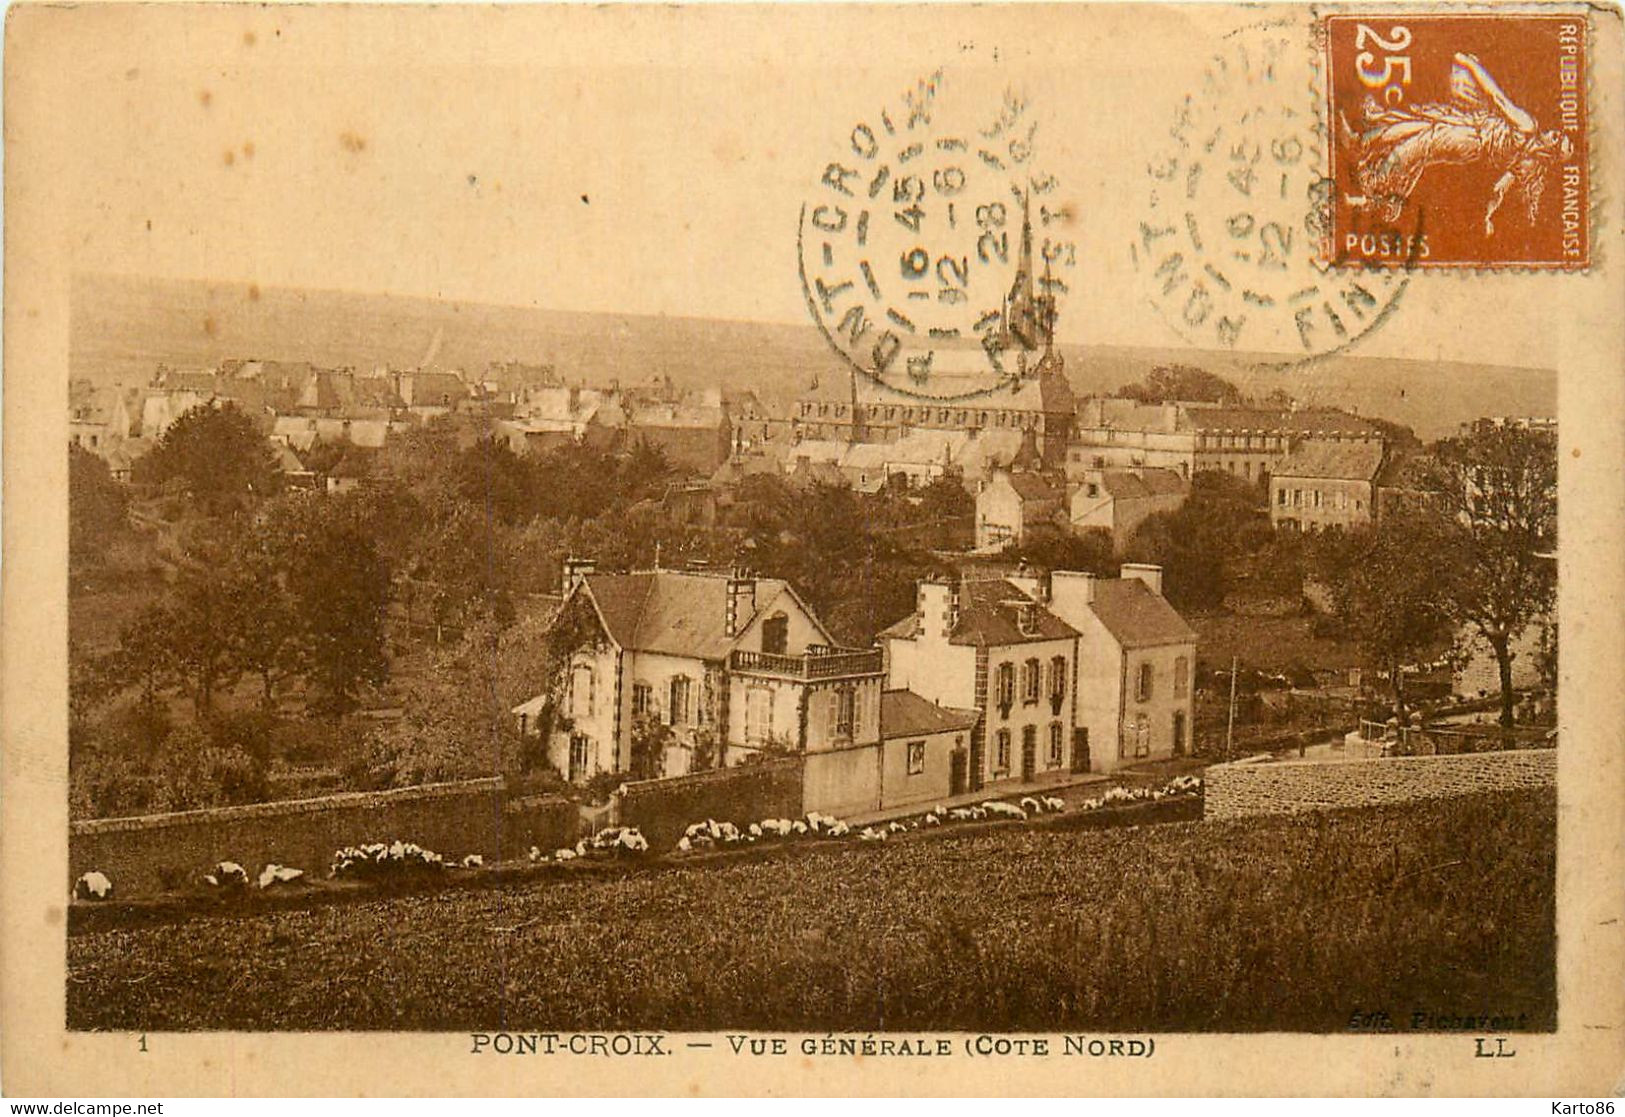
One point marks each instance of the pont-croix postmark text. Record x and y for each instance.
(1228, 239)
(919, 228)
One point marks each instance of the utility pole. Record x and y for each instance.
(1230, 725)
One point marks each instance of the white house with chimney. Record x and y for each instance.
(1068, 671)
(1136, 664)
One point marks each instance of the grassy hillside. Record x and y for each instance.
(123, 327)
(1279, 924)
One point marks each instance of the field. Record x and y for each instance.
(1279, 924)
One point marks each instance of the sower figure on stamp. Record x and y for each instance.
(1480, 123)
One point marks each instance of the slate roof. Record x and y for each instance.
(373, 391)
(905, 714)
(1136, 617)
(989, 616)
(1033, 486)
(1126, 484)
(357, 462)
(1349, 461)
(287, 461)
(1303, 420)
(673, 612)
(181, 380)
(437, 389)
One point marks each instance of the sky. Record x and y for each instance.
(642, 160)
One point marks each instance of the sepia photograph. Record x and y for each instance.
(589, 526)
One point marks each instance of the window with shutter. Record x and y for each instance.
(679, 712)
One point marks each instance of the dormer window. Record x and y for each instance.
(1027, 618)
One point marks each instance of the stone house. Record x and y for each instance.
(1245, 442)
(920, 742)
(1066, 672)
(101, 418)
(1325, 484)
(731, 664)
(1014, 507)
(1119, 500)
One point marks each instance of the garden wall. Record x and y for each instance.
(663, 809)
(153, 853)
(1286, 787)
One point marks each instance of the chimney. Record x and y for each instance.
(938, 606)
(1071, 594)
(575, 572)
(1034, 581)
(741, 604)
(1149, 573)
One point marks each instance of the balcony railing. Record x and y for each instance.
(822, 663)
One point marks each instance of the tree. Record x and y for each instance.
(98, 506)
(1498, 486)
(492, 479)
(1200, 545)
(339, 588)
(1090, 551)
(145, 658)
(1181, 383)
(645, 470)
(217, 453)
(265, 631)
(1389, 590)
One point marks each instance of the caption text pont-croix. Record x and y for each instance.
(622, 1044)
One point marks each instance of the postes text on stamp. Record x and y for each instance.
(1458, 140)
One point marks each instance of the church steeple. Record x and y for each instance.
(1029, 316)
(1052, 363)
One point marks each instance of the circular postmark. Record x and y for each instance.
(1229, 238)
(933, 250)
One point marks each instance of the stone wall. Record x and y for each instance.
(154, 853)
(662, 809)
(1286, 787)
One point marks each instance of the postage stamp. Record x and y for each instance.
(1458, 140)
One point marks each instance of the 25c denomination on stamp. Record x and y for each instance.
(1458, 140)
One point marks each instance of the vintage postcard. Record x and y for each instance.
(799, 549)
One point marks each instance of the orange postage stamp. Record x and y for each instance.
(1458, 140)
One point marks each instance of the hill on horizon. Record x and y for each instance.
(122, 328)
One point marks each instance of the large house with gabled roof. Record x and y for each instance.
(734, 665)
